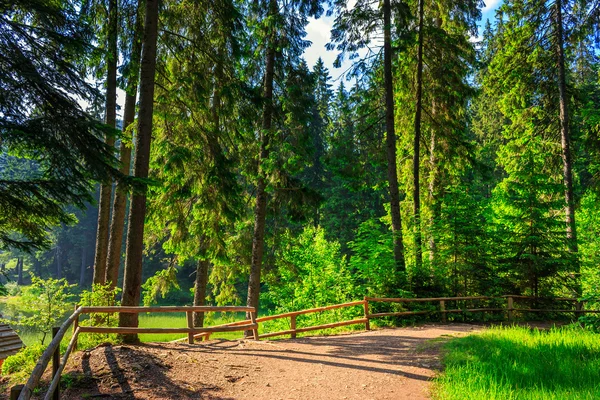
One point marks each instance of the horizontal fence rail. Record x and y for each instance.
(252, 325)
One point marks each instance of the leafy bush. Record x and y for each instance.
(41, 306)
(159, 285)
(311, 273)
(20, 365)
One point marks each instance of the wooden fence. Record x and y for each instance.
(25, 391)
(53, 349)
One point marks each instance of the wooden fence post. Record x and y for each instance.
(75, 326)
(253, 320)
(15, 391)
(293, 326)
(578, 309)
(190, 324)
(510, 308)
(443, 310)
(366, 307)
(56, 365)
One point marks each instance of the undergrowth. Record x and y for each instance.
(517, 363)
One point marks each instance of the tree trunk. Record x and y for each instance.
(200, 289)
(83, 266)
(433, 188)
(111, 120)
(391, 142)
(20, 271)
(117, 225)
(417, 145)
(58, 266)
(260, 210)
(565, 138)
(132, 278)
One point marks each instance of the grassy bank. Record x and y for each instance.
(506, 363)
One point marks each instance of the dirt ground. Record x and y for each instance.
(381, 364)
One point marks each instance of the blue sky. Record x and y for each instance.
(318, 33)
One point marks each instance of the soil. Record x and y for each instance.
(381, 364)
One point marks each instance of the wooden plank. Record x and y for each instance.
(164, 309)
(315, 328)
(366, 313)
(398, 314)
(549, 310)
(13, 341)
(419, 300)
(443, 311)
(293, 326)
(541, 298)
(124, 330)
(310, 310)
(190, 324)
(475, 310)
(255, 329)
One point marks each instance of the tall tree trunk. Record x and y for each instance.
(260, 210)
(390, 140)
(565, 138)
(37, 267)
(83, 265)
(200, 289)
(117, 225)
(132, 278)
(111, 120)
(20, 271)
(417, 145)
(58, 263)
(434, 173)
(433, 188)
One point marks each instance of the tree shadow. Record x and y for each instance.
(131, 371)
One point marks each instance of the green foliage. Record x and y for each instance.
(159, 285)
(41, 306)
(521, 363)
(311, 273)
(100, 296)
(373, 261)
(50, 149)
(20, 365)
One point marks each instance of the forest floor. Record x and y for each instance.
(380, 364)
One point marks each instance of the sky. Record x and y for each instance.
(317, 32)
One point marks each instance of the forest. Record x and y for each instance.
(452, 156)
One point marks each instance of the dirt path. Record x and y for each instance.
(383, 364)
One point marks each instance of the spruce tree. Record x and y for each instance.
(42, 44)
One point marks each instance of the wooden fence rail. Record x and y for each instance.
(252, 325)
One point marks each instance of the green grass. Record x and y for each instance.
(515, 363)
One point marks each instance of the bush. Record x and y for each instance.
(41, 306)
(22, 364)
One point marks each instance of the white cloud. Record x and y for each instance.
(318, 32)
(490, 5)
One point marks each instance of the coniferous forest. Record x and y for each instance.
(183, 151)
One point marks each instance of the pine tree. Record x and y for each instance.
(117, 225)
(354, 30)
(132, 279)
(110, 120)
(43, 127)
(291, 20)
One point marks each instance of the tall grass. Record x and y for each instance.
(507, 363)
